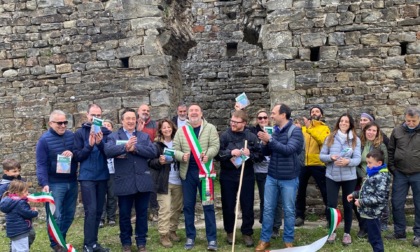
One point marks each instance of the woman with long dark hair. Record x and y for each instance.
(341, 154)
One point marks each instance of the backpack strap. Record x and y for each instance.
(289, 132)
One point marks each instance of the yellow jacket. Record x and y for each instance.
(314, 138)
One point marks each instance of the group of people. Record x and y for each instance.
(158, 166)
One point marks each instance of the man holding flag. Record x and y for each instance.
(196, 144)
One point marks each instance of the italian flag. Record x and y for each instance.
(317, 245)
(53, 229)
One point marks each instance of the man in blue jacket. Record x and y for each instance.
(283, 174)
(131, 149)
(93, 175)
(57, 143)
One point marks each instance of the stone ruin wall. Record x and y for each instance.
(64, 54)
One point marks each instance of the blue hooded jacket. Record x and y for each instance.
(18, 215)
(93, 161)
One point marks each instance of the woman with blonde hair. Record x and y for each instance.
(168, 184)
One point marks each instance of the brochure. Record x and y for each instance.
(121, 142)
(269, 130)
(242, 100)
(97, 124)
(237, 161)
(63, 164)
(169, 152)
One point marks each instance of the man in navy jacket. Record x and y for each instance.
(52, 177)
(283, 174)
(93, 176)
(131, 149)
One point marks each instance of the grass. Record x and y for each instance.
(108, 237)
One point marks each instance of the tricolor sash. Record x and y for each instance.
(206, 171)
(53, 229)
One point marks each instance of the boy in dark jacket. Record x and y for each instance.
(11, 170)
(18, 215)
(372, 197)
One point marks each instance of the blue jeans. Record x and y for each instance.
(93, 197)
(140, 201)
(287, 190)
(260, 179)
(189, 190)
(400, 186)
(65, 197)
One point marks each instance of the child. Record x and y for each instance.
(11, 170)
(18, 215)
(372, 197)
(110, 206)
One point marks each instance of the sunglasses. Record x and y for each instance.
(61, 123)
(262, 117)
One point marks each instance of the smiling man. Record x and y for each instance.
(232, 148)
(196, 144)
(62, 183)
(93, 176)
(404, 164)
(131, 149)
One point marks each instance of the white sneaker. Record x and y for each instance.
(332, 237)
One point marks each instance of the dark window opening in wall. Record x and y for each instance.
(403, 46)
(315, 53)
(232, 49)
(231, 15)
(124, 62)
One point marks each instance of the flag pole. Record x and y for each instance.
(237, 200)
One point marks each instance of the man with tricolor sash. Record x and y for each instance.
(196, 144)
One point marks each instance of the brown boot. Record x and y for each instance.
(262, 246)
(288, 245)
(249, 242)
(229, 238)
(173, 236)
(165, 241)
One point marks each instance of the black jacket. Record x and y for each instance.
(236, 140)
(160, 172)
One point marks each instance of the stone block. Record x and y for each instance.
(331, 19)
(142, 61)
(413, 48)
(393, 74)
(50, 69)
(409, 22)
(293, 99)
(313, 39)
(6, 30)
(336, 38)
(402, 95)
(352, 38)
(278, 5)
(109, 102)
(284, 80)
(147, 23)
(370, 39)
(397, 61)
(403, 36)
(10, 73)
(371, 16)
(346, 18)
(355, 63)
(134, 102)
(159, 97)
(69, 24)
(410, 11)
(281, 53)
(275, 40)
(328, 52)
(147, 83)
(96, 65)
(49, 3)
(105, 55)
(37, 70)
(56, 18)
(6, 64)
(63, 68)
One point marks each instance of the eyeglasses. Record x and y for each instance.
(262, 117)
(96, 115)
(61, 123)
(235, 122)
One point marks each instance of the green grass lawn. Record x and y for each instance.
(108, 237)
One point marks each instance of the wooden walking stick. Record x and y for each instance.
(237, 200)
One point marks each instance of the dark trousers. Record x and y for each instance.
(318, 173)
(189, 190)
(110, 207)
(229, 190)
(93, 198)
(400, 185)
(260, 179)
(140, 200)
(347, 187)
(373, 227)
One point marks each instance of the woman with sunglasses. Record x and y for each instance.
(168, 182)
(261, 169)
